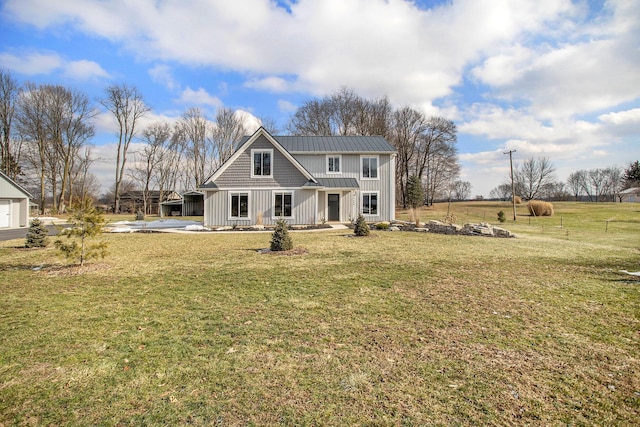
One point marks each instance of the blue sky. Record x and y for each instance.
(551, 78)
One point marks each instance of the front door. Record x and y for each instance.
(334, 207)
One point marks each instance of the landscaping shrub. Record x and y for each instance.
(382, 226)
(281, 239)
(450, 218)
(540, 208)
(414, 216)
(37, 236)
(361, 228)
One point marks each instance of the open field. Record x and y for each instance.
(395, 329)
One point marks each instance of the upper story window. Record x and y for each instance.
(369, 167)
(334, 163)
(262, 163)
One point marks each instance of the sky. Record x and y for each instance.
(546, 78)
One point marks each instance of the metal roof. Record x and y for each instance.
(332, 144)
(338, 182)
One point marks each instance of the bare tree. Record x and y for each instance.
(441, 170)
(270, 125)
(614, 182)
(226, 132)
(128, 107)
(501, 192)
(406, 130)
(342, 113)
(576, 183)
(532, 175)
(312, 118)
(31, 121)
(192, 130)
(461, 190)
(77, 129)
(145, 168)
(9, 91)
(82, 183)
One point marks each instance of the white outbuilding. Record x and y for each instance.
(14, 203)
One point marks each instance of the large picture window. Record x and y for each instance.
(262, 163)
(283, 205)
(333, 163)
(239, 203)
(370, 203)
(369, 167)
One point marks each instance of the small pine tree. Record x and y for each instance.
(37, 236)
(86, 223)
(501, 217)
(281, 239)
(361, 228)
(415, 195)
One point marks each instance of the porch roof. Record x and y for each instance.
(350, 183)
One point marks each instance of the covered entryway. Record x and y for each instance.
(337, 199)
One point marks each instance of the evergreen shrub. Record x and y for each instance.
(361, 228)
(281, 239)
(37, 236)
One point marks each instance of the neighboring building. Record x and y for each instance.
(630, 195)
(304, 180)
(132, 201)
(191, 203)
(14, 203)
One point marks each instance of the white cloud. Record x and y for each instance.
(270, 84)
(162, 74)
(200, 97)
(374, 46)
(39, 63)
(286, 106)
(32, 63)
(84, 70)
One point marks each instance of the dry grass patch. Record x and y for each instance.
(540, 208)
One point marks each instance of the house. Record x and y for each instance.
(14, 203)
(191, 203)
(630, 195)
(303, 180)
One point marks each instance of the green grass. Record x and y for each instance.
(394, 329)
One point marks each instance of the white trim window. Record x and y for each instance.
(238, 205)
(370, 203)
(369, 167)
(334, 163)
(262, 163)
(283, 204)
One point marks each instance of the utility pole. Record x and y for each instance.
(513, 190)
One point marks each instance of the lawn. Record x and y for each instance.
(395, 329)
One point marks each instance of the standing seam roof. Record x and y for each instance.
(333, 144)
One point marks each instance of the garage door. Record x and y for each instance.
(5, 213)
